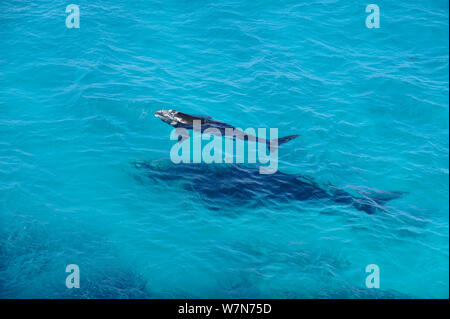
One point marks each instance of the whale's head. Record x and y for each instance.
(168, 116)
(176, 118)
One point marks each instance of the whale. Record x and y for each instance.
(237, 184)
(203, 123)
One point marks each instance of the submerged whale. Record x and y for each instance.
(238, 183)
(186, 121)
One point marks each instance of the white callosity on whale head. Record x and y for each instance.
(168, 116)
(173, 117)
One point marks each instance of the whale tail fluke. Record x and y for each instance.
(371, 201)
(383, 197)
(273, 147)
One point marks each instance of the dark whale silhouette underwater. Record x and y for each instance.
(238, 183)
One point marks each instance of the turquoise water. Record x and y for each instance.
(76, 111)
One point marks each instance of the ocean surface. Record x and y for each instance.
(76, 115)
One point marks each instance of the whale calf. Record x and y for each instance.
(186, 121)
(228, 184)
